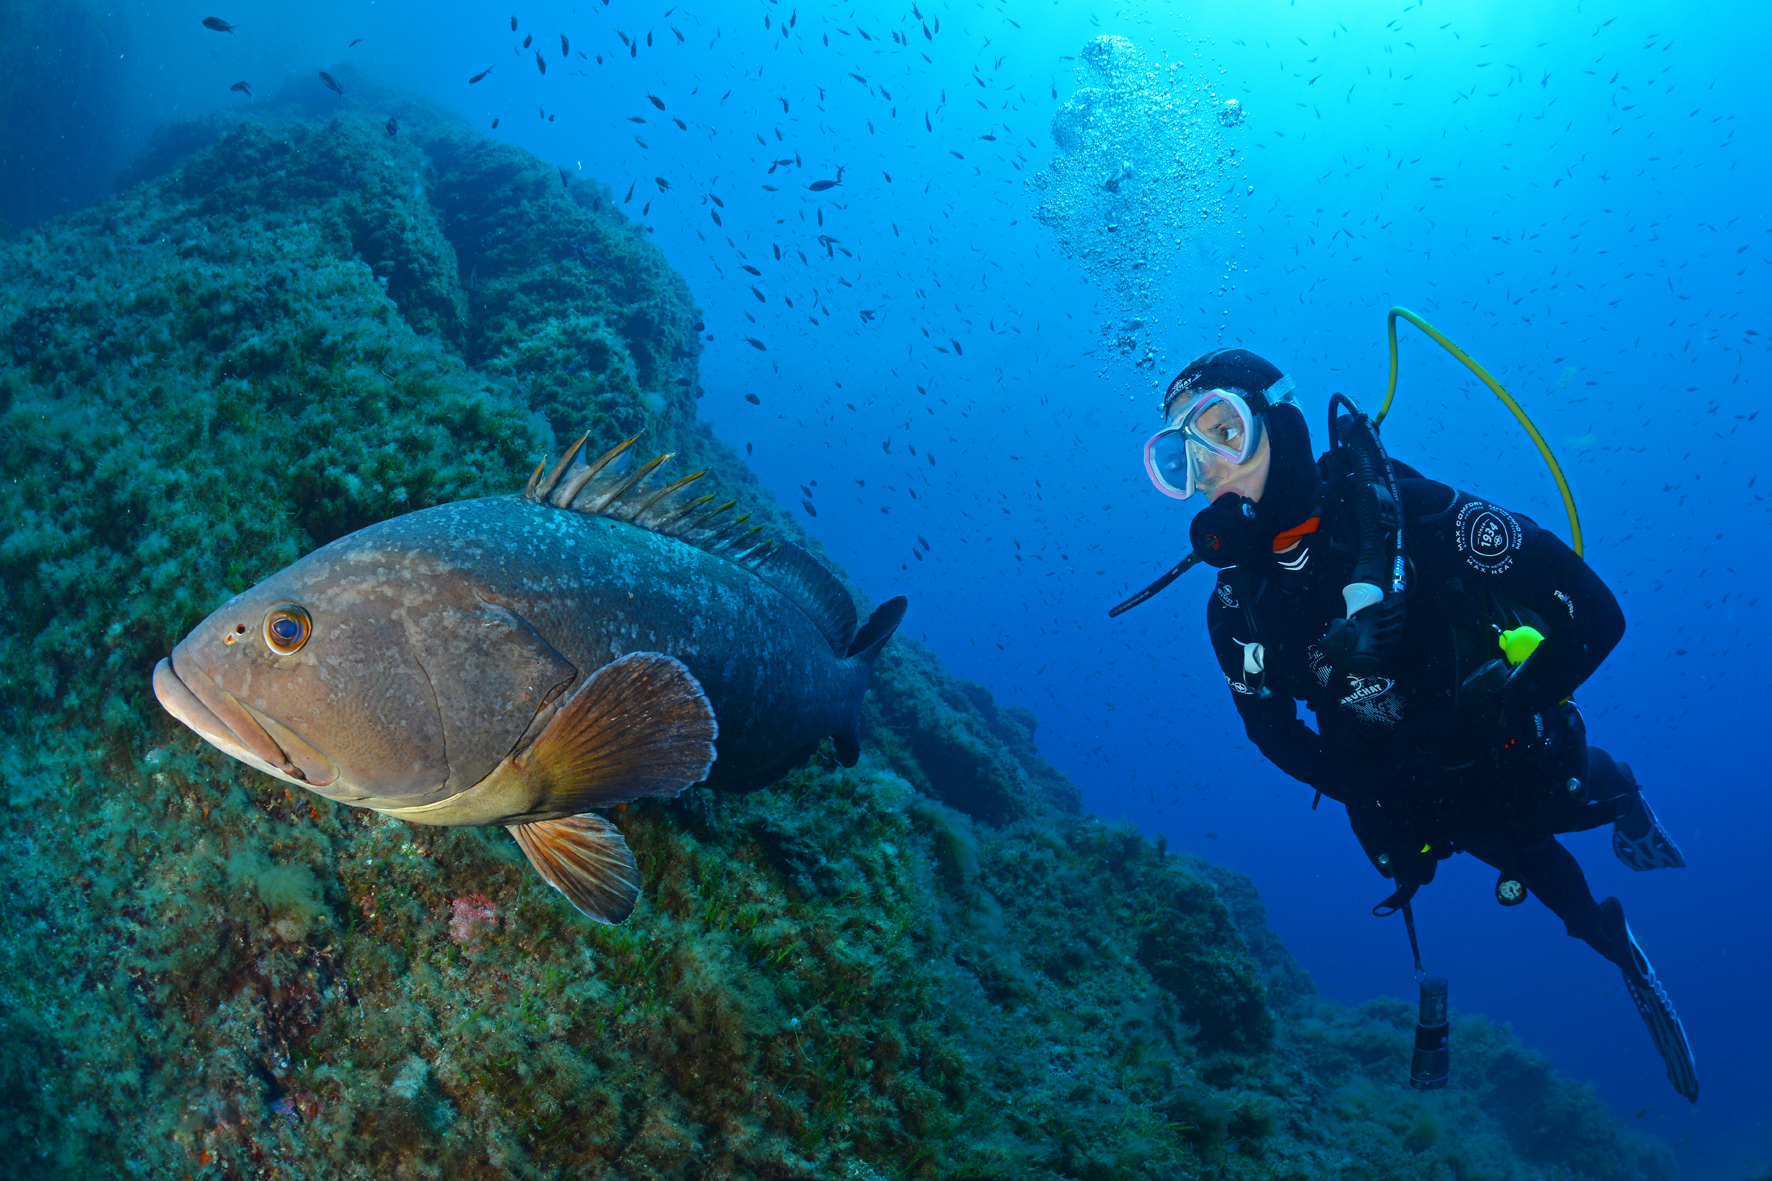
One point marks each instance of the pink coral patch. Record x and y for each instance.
(475, 916)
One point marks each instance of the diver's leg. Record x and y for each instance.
(1551, 872)
(1554, 876)
(1638, 838)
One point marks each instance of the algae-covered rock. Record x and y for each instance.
(928, 965)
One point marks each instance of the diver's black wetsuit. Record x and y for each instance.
(1415, 766)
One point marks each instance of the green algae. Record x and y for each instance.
(928, 965)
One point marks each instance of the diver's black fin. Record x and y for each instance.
(878, 629)
(1652, 1004)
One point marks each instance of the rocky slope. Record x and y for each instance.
(291, 324)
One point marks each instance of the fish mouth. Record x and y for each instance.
(235, 728)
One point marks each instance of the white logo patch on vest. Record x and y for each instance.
(1487, 536)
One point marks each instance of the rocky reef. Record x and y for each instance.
(291, 324)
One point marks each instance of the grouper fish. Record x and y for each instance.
(529, 660)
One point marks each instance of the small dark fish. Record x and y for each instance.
(680, 36)
(656, 101)
(540, 63)
(623, 36)
(716, 201)
(662, 183)
(756, 344)
(355, 43)
(630, 195)
(528, 41)
(513, 24)
(636, 118)
(243, 88)
(807, 505)
(480, 75)
(642, 143)
(752, 398)
(393, 127)
(681, 126)
(753, 270)
(759, 295)
(332, 84)
(716, 216)
(565, 49)
(218, 24)
(819, 186)
(495, 124)
(958, 351)
(859, 79)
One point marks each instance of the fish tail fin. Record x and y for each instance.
(586, 859)
(866, 647)
(877, 630)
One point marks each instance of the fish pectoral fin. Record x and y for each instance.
(640, 726)
(585, 858)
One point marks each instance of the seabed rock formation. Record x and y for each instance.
(290, 325)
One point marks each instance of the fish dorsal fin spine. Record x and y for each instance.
(579, 484)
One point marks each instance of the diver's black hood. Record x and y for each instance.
(1294, 489)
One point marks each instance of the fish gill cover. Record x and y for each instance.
(930, 965)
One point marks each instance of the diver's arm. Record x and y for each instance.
(1272, 722)
(1584, 619)
(1483, 546)
(1275, 728)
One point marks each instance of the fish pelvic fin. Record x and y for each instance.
(639, 726)
(586, 859)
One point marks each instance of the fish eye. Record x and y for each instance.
(287, 628)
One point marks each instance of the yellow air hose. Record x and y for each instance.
(1506, 398)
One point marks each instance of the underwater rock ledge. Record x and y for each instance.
(291, 325)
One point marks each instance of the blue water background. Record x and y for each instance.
(1576, 193)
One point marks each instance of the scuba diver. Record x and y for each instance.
(1436, 637)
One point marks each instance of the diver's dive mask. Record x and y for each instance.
(1214, 429)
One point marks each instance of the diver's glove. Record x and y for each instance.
(1227, 532)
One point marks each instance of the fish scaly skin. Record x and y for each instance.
(445, 642)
